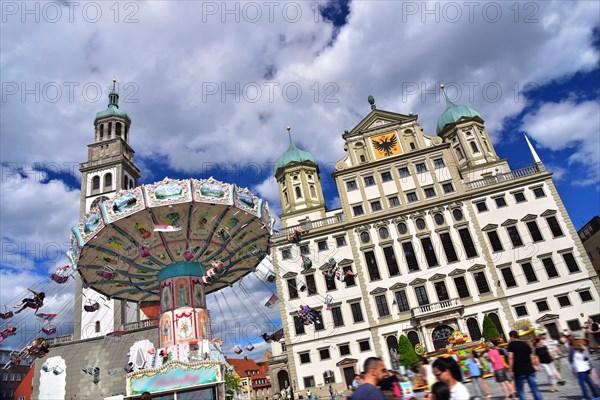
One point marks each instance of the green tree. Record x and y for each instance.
(489, 330)
(233, 384)
(406, 353)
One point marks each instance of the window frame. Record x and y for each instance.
(383, 309)
(357, 314)
(351, 185)
(386, 176)
(369, 180)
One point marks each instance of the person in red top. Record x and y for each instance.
(499, 366)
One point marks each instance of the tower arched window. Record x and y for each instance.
(118, 129)
(474, 147)
(108, 135)
(96, 183)
(298, 192)
(287, 200)
(101, 132)
(487, 147)
(126, 132)
(474, 330)
(131, 185)
(459, 153)
(313, 192)
(108, 181)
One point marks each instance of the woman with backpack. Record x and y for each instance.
(476, 373)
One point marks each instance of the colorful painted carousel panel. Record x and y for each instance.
(175, 376)
(89, 226)
(212, 191)
(125, 203)
(248, 202)
(167, 192)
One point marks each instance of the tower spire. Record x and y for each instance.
(449, 103)
(534, 153)
(289, 129)
(113, 96)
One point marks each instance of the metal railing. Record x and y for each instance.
(436, 307)
(147, 323)
(102, 160)
(308, 225)
(508, 176)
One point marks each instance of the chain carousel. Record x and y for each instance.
(170, 244)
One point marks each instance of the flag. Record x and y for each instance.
(46, 317)
(166, 228)
(271, 302)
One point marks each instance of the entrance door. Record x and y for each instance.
(440, 336)
(552, 331)
(349, 373)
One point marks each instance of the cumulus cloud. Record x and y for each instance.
(573, 126)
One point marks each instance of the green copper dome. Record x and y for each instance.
(453, 113)
(293, 155)
(113, 106)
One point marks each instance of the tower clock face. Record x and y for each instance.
(386, 145)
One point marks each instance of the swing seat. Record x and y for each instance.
(91, 307)
(59, 278)
(331, 262)
(108, 275)
(187, 255)
(306, 262)
(57, 370)
(250, 347)
(302, 287)
(237, 350)
(49, 331)
(6, 315)
(271, 278)
(144, 252)
(34, 303)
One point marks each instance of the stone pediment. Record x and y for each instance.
(378, 290)
(548, 213)
(528, 217)
(489, 227)
(398, 285)
(457, 272)
(547, 318)
(379, 118)
(345, 261)
(289, 275)
(437, 277)
(346, 361)
(417, 281)
(509, 222)
(308, 271)
(476, 267)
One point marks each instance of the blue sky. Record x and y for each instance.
(210, 91)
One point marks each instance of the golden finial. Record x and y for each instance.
(289, 128)
(442, 86)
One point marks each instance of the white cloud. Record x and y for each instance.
(570, 125)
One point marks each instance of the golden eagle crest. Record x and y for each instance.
(386, 145)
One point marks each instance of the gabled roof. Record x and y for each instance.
(379, 118)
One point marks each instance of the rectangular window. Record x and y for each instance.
(585, 296)
(369, 181)
(542, 305)
(448, 247)
(4, 376)
(357, 314)
(564, 301)
(481, 206)
(429, 192)
(330, 284)
(430, 256)
(298, 325)
(394, 202)
(438, 163)
(386, 176)
(574, 325)
(467, 242)
(402, 301)
(336, 313)
(509, 278)
(411, 197)
(521, 311)
(520, 197)
(304, 250)
(382, 305)
(372, 265)
(390, 259)
(514, 235)
(349, 280)
(550, 268)
(319, 326)
(358, 210)
(344, 350)
(322, 245)
(309, 381)
(403, 172)
(364, 345)
(529, 272)
(500, 202)
(441, 291)
(376, 206)
(340, 241)
(570, 262)
(554, 226)
(410, 257)
(324, 354)
(534, 231)
(421, 293)
(351, 185)
(286, 254)
(448, 188)
(421, 167)
(461, 287)
(304, 358)
(481, 281)
(292, 288)
(495, 241)
(97, 326)
(539, 192)
(311, 284)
